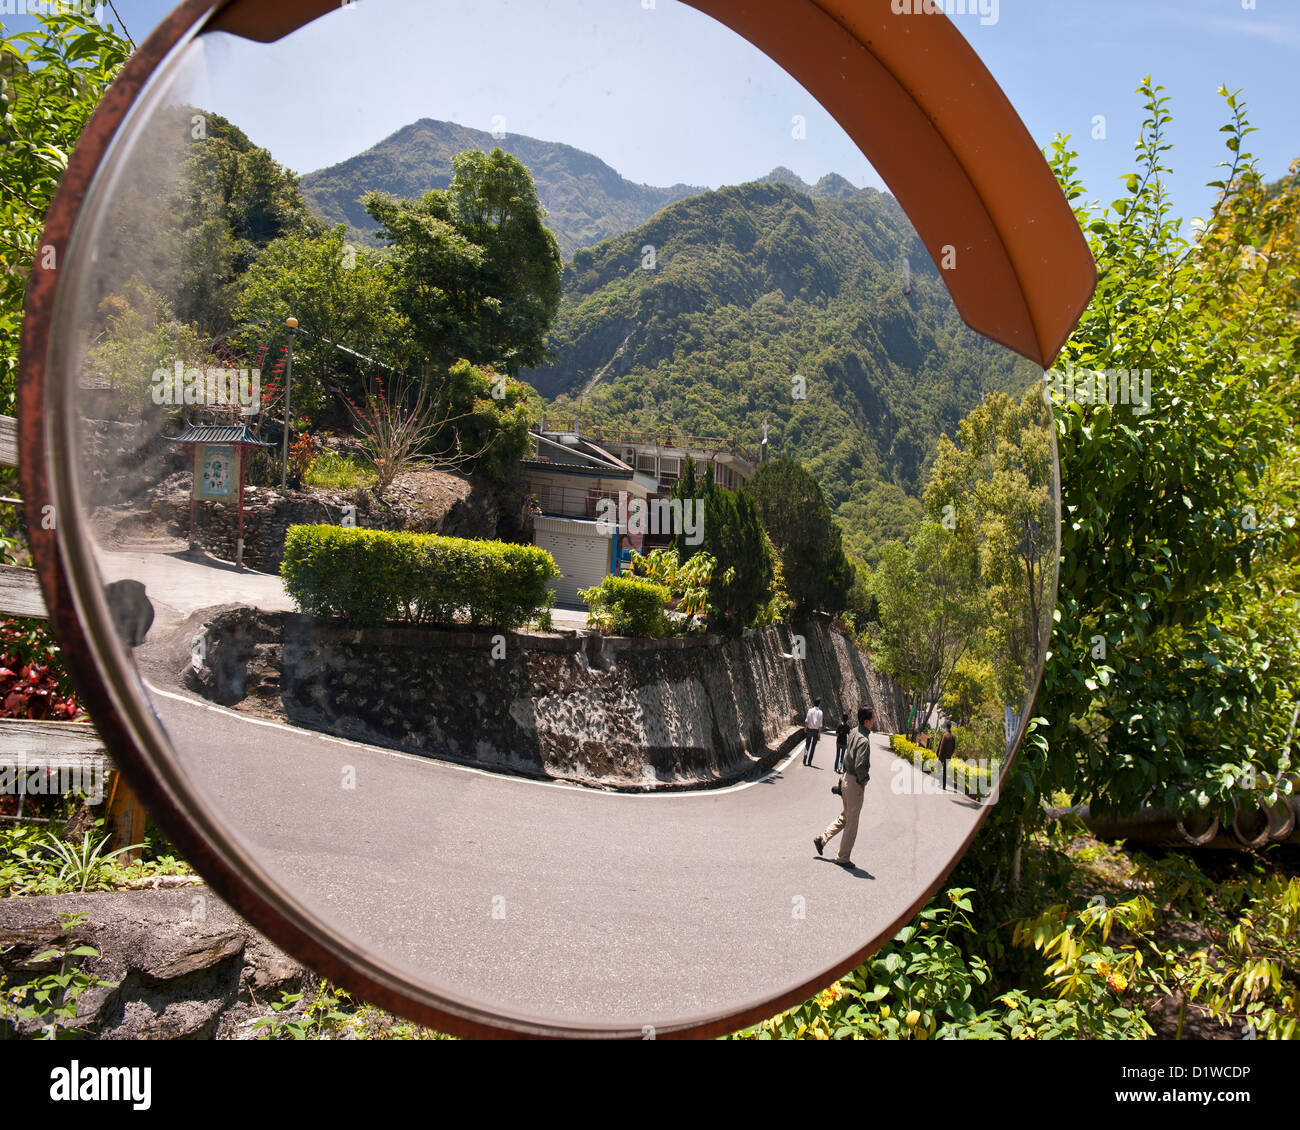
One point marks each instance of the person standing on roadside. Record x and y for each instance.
(812, 730)
(947, 747)
(857, 771)
(841, 742)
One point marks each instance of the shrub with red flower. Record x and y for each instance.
(33, 683)
(302, 454)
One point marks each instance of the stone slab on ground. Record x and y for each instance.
(185, 966)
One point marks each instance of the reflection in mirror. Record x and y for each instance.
(520, 508)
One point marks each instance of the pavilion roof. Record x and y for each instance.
(239, 434)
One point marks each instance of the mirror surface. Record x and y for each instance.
(611, 250)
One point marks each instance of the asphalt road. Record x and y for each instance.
(557, 902)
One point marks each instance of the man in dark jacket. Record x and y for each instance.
(947, 747)
(841, 742)
(857, 771)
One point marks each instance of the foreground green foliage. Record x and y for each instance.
(1252, 980)
(330, 1013)
(375, 576)
(52, 80)
(1106, 965)
(922, 986)
(49, 999)
(37, 861)
(1175, 648)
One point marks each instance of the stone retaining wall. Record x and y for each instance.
(183, 965)
(607, 711)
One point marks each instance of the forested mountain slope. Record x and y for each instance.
(756, 293)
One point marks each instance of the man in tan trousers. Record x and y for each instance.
(857, 771)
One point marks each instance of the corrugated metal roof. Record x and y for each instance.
(240, 434)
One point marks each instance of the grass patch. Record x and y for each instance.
(332, 470)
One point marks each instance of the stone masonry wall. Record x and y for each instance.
(606, 711)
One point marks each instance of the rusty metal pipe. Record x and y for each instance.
(1252, 826)
(1250, 829)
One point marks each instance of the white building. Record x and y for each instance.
(570, 474)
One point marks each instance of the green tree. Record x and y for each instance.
(232, 199)
(478, 272)
(742, 583)
(794, 511)
(930, 611)
(1175, 650)
(141, 335)
(994, 487)
(487, 420)
(343, 298)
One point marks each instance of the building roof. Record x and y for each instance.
(239, 434)
(666, 441)
(568, 449)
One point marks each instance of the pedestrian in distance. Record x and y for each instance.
(947, 747)
(852, 789)
(812, 730)
(841, 741)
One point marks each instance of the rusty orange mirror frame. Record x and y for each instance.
(929, 117)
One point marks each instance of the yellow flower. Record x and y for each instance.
(1117, 981)
(1103, 968)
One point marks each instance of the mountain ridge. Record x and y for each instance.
(585, 198)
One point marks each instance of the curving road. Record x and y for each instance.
(559, 902)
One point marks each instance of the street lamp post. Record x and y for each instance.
(292, 323)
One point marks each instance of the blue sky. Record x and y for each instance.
(667, 95)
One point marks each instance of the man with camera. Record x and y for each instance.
(851, 788)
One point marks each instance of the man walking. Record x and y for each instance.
(857, 771)
(812, 730)
(947, 747)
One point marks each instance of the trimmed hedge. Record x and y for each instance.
(376, 576)
(627, 606)
(972, 778)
